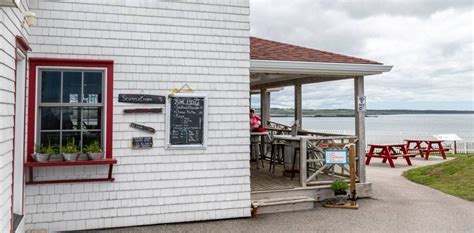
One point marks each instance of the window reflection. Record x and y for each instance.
(71, 118)
(92, 118)
(50, 86)
(72, 87)
(92, 87)
(50, 118)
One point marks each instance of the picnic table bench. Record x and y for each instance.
(425, 147)
(388, 152)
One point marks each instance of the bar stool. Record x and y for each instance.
(259, 145)
(277, 148)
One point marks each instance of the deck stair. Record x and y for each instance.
(282, 204)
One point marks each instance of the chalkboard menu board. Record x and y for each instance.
(187, 120)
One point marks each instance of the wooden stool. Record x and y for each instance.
(276, 148)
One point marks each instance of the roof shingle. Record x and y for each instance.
(261, 49)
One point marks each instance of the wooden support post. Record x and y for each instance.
(352, 170)
(455, 148)
(360, 127)
(303, 145)
(265, 106)
(298, 103)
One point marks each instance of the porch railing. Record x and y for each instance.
(312, 168)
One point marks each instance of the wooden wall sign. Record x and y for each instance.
(142, 127)
(143, 110)
(142, 142)
(141, 99)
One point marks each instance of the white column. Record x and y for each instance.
(360, 127)
(298, 103)
(265, 106)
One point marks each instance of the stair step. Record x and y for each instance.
(284, 204)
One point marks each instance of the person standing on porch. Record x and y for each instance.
(255, 120)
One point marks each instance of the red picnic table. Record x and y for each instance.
(388, 152)
(425, 147)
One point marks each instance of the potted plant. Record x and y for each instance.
(94, 151)
(339, 187)
(70, 151)
(55, 154)
(42, 153)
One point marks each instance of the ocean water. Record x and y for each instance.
(394, 128)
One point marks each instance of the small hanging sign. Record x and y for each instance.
(142, 142)
(142, 127)
(336, 157)
(141, 99)
(143, 110)
(361, 103)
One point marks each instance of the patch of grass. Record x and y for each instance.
(455, 177)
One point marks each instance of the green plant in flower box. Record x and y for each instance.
(94, 151)
(94, 147)
(70, 147)
(70, 151)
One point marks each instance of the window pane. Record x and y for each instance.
(50, 118)
(92, 118)
(72, 137)
(72, 87)
(91, 137)
(92, 87)
(50, 138)
(72, 118)
(50, 86)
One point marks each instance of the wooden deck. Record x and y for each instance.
(263, 180)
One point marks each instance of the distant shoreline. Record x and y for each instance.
(276, 112)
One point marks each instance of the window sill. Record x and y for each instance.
(70, 163)
(107, 161)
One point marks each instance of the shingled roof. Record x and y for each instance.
(261, 49)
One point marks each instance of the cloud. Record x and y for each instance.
(430, 43)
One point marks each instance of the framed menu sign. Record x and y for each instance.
(186, 121)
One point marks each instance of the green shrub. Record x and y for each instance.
(339, 185)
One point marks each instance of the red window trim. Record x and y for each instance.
(67, 62)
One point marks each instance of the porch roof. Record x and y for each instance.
(275, 64)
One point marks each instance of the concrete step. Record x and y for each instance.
(283, 204)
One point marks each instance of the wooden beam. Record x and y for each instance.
(298, 103)
(290, 82)
(360, 127)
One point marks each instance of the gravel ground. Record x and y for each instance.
(398, 205)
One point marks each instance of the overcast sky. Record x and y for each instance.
(430, 43)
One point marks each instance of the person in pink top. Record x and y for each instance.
(255, 120)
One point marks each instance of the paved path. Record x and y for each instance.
(398, 205)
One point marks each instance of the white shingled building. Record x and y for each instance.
(105, 72)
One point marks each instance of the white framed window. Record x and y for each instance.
(70, 107)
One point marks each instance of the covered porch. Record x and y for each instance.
(276, 65)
